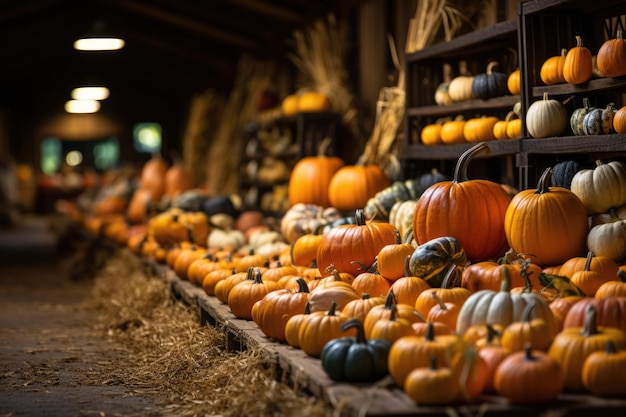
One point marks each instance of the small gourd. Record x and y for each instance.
(452, 131)
(490, 84)
(578, 116)
(599, 121)
(513, 82)
(460, 88)
(479, 129)
(442, 94)
(578, 65)
(431, 133)
(546, 117)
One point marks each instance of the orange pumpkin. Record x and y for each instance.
(351, 245)
(353, 185)
(488, 275)
(470, 210)
(578, 65)
(311, 176)
(619, 120)
(549, 224)
(551, 71)
(611, 58)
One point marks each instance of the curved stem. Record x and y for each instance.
(588, 261)
(460, 171)
(590, 327)
(543, 185)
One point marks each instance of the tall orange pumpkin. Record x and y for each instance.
(548, 224)
(353, 185)
(349, 246)
(611, 58)
(311, 176)
(472, 211)
(152, 176)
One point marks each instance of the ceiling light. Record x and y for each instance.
(82, 106)
(98, 39)
(90, 93)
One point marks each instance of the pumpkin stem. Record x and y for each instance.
(599, 162)
(528, 353)
(391, 300)
(393, 313)
(588, 261)
(610, 347)
(491, 66)
(332, 309)
(460, 171)
(451, 269)
(543, 185)
(430, 332)
(505, 284)
(258, 277)
(439, 301)
(302, 285)
(433, 362)
(590, 327)
(360, 332)
(359, 216)
(579, 41)
(396, 233)
(492, 333)
(307, 308)
(621, 274)
(324, 145)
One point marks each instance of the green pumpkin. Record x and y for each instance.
(563, 172)
(379, 206)
(355, 359)
(599, 121)
(491, 84)
(578, 116)
(432, 261)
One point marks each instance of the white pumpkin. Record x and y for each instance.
(608, 239)
(262, 237)
(602, 188)
(225, 238)
(546, 117)
(401, 216)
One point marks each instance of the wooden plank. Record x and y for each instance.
(472, 106)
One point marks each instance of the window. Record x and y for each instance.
(147, 137)
(50, 155)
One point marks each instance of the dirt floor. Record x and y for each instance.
(50, 353)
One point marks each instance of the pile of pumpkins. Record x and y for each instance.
(467, 291)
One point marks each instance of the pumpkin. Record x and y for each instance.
(379, 206)
(355, 359)
(602, 372)
(371, 282)
(408, 288)
(551, 71)
(359, 308)
(535, 333)
(310, 177)
(472, 211)
(490, 84)
(245, 294)
(446, 313)
(301, 219)
(470, 370)
(599, 121)
(487, 275)
(401, 216)
(438, 259)
(383, 311)
(576, 120)
(546, 117)
(613, 288)
(499, 128)
(319, 328)
(425, 300)
(174, 225)
(611, 58)
(272, 312)
(177, 180)
(411, 352)
(225, 238)
(619, 120)
(391, 260)
(548, 224)
(313, 101)
(152, 176)
(578, 65)
(460, 88)
(304, 250)
(430, 178)
(529, 376)
(513, 82)
(601, 188)
(479, 129)
(609, 239)
(391, 328)
(292, 327)
(210, 280)
(609, 312)
(514, 126)
(223, 287)
(612, 215)
(572, 346)
(431, 385)
(431, 133)
(502, 307)
(360, 243)
(353, 185)
(289, 105)
(561, 306)
(563, 172)
(442, 94)
(452, 131)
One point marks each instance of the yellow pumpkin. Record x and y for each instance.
(578, 65)
(313, 101)
(552, 69)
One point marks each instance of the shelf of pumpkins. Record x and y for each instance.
(456, 295)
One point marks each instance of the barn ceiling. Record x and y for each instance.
(174, 48)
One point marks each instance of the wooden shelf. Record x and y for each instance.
(496, 147)
(463, 107)
(498, 34)
(575, 144)
(593, 86)
(585, 6)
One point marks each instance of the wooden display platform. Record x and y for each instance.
(355, 400)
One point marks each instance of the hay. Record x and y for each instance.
(176, 359)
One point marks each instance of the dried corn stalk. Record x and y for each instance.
(320, 54)
(202, 124)
(224, 154)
